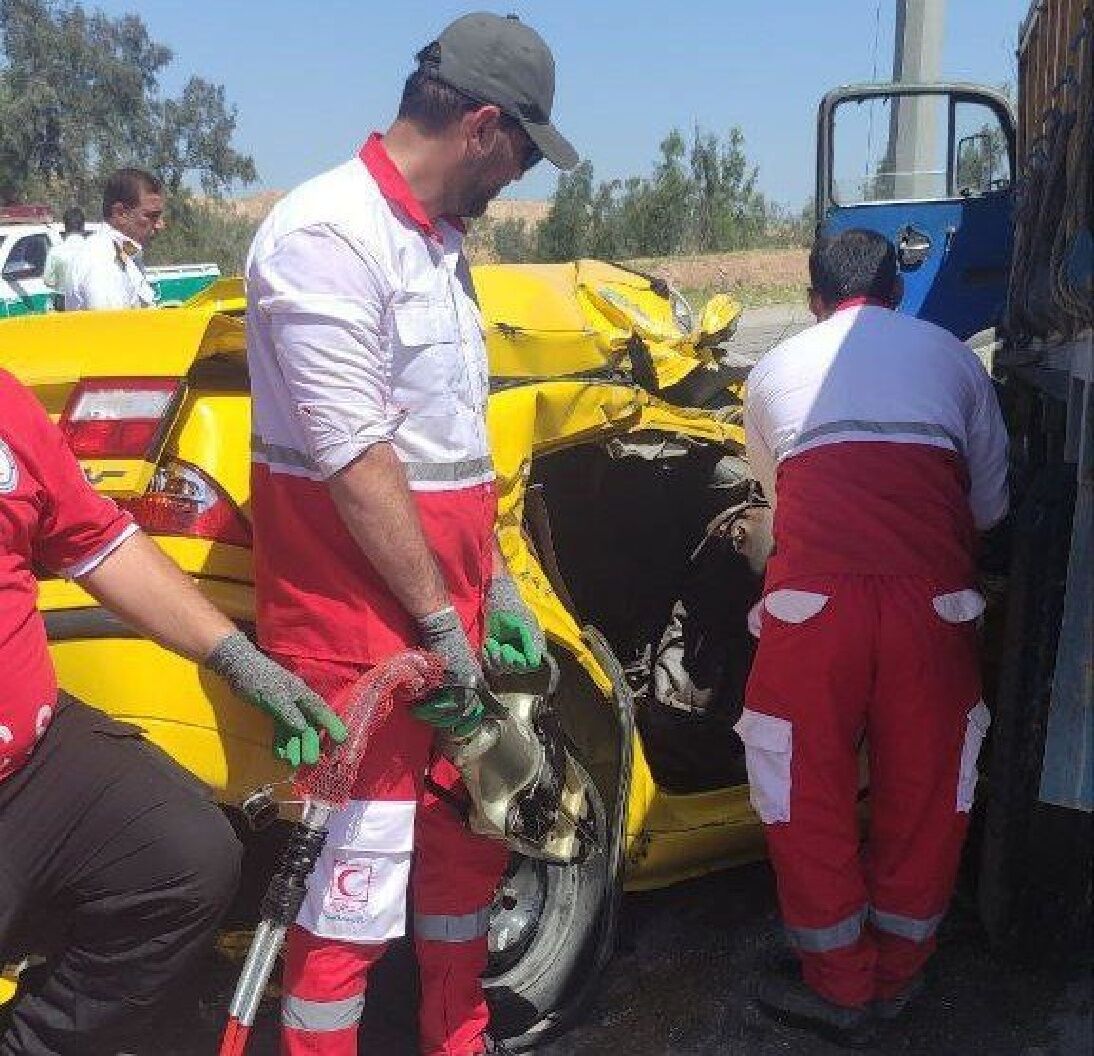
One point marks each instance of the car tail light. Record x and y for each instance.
(181, 500)
(120, 417)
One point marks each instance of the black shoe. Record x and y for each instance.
(792, 1003)
(891, 1007)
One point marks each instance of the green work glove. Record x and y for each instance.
(456, 712)
(514, 639)
(456, 709)
(298, 712)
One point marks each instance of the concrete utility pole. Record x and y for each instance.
(913, 127)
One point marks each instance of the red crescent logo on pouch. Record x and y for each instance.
(350, 882)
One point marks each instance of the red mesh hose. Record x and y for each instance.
(404, 678)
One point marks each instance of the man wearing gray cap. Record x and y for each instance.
(374, 507)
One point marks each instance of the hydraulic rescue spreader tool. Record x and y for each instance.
(403, 679)
(523, 784)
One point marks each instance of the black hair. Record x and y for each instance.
(427, 101)
(852, 263)
(124, 187)
(432, 104)
(73, 218)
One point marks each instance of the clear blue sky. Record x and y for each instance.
(312, 77)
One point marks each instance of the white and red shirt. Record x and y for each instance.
(878, 439)
(50, 517)
(362, 327)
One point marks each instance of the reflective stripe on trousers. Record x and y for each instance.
(847, 931)
(834, 937)
(915, 929)
(437, 927)
(321, 1016)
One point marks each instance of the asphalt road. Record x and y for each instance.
(681, 980)
(761, 328)
(689, 957)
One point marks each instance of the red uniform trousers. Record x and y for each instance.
(454, 876)
(891, 659)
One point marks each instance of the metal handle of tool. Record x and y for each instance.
(492, 705)
(280, 906)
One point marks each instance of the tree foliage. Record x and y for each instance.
(80, 96)
(700, 198)
(201, 230)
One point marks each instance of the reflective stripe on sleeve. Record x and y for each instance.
(915, 929)
(447, 472)
(834, 937)
(321, 1016)
(279, 455)
(439, 927)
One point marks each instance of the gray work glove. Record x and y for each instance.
(298, 712)
(456, 709)
(514, 639)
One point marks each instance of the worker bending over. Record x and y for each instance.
(880, 443)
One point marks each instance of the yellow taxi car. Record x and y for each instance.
(629, 521)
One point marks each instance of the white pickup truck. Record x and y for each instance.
(24, 245)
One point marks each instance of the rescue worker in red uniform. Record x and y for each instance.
(374, 511)
(114, 863)
(879, 441)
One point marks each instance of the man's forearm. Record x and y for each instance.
(377, 506)
(150, 593)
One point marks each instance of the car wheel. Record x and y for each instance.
(545, 918)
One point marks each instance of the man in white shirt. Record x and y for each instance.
(880, 443)
(374, 508)
(109, 271)
(60, 257)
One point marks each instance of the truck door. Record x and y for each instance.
(931, 168)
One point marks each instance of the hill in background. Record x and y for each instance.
(756, 276)
(255, 207)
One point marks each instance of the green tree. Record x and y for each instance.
(80, 96)
(981, 160)
(728, 212)
(203, 230)
(564, 232)
(665, 203)
(513, 242)
(699, 199)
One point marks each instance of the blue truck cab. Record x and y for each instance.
(945, 203)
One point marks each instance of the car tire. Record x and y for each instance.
(556, 912)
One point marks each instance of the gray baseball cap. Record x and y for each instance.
(500, 60)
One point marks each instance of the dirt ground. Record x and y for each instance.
(777, 268)
(688, 958)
